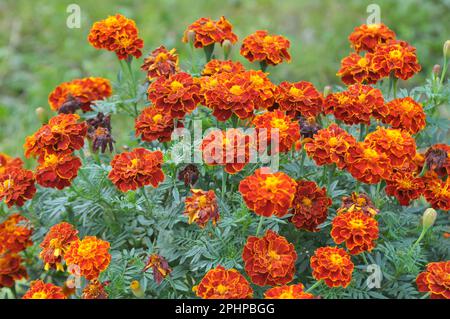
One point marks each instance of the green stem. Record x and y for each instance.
(426, 295)
(133, 83)
(209, 49)
(422, 235)
(259, 225)
(357, 186)
(364, 258)
(331, 171)
(224, 182)
(302, 161)
(362, 131)
(316, 284)
(444, 71)
(263, 66)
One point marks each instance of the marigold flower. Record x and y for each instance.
(263, 47)
(221, 283)
(358, 202)
(79, 93)
(268, 193)
(135, 169)
(264, 88)
(398, 57)
(11, 269)
(358, 69)
(6, 161)
(358, 230)
(177, 95)
(160, 267)
(299, 98)
(288, 129)
(41, 290)
(403, 113)
(288, 292)
(15, 234)
(57, 171)
(55, 244)
(333, 265)
(208, 32)
(405, 186)
(90, 257)
(154, 124)
(355, 105)
(437, 159)
(16, 186)
(218, 66)
(117, 34)
(201, 207)
(435, 280)
(63, 133)
(99, 132)
(437, 191)
(330, 145)
(367, 37)
(94, 290)
(161, 62)
(269, 260)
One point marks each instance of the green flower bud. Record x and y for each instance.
(428, 218)
(446, 49)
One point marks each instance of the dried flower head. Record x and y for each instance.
(95, 290)
(159, 266)
(189, 175)
(202, 207)
(358, 202)
(161, 62)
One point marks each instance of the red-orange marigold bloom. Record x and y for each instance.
(56, 243)
(160, 267)
(398, 57)
(329, 145)
(63, 133)
(135, 169)
(219, 66)
(405, 186)
(358, 230)
(435, 280)
(437, 191)
(208, 32)
(299, 98)
(221, 283)
(161, 62)
(399, 146)
(310, 206)
(333, 265)
(178, 94)
(118, 34)
(84, 91)
(268, 193)
(269, 260)
(358, 69)
(11, 269)
(288, 129)
(366, 164)
(403, 113)
(367, 37)
(16, 186)
(358, 202)
(355, 105)
(57, 170)
(15, 234)
(154, 124)
(6, 161)
(41, 290)
(288, 292)
(94, 290)
(90, 256)
(202, 207)
(264, 88)
(263, 47)
(437, 159)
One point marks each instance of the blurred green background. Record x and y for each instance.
(38, 50)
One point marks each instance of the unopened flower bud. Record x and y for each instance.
(40, 112)
(428, 218)
(227, 46)
(326, 90)
(136, 288)
(437, 69)
(446, 49)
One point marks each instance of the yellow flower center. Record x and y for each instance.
(407, 106)
(6, 185)
(50, 160)
(268, 39)
(307, 202)
(271, 182)
(405, 183)
(286, 295)
(336, 259)
(157, 118)
(333, 141)
(256, 80)
(221, 289)
(39, 295)
(176, 85)
(394, 134)
(295, 92)
(134, 163)
(273, 254)
(87, 248)
(55, 243)
(161, 57)
(362, 98)
(395, 54)
(279, 124)
(370, 153)
(56, 129)
(356, 223)
(236, 90)
(373, 26)
(363, 62)
(202, 201)
(360, 201)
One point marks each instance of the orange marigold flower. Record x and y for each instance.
(288, 129)
(358, 230)
(15, 234)
(398, 57)
(41, 290)
(264, 88)
(333, 265)
(358, 202)
(266, 48)
(155, 124)
(435, 280)
(330, 145)
(135, 169)
(219, 66)
(358, 69)
(221, 283)
(437, 159)
(95, 290)
(6, 161)
(11, 269)
(202, 207)
(160, 267)
(367, 37)
(90, 256)
(310, 206)
(403, 113)
(57, 170)
(268, 193)
(405, 186)
(161, 62)
(56, 243)
(399, 146)
(299, 98)
(63, 133)
(80, 92)
(288, 292)
(269, 260)
(208, 32)
(178, 94)
(16, 186)
(355, 105)
(437, 191)
(366, 164)
(117, 34)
